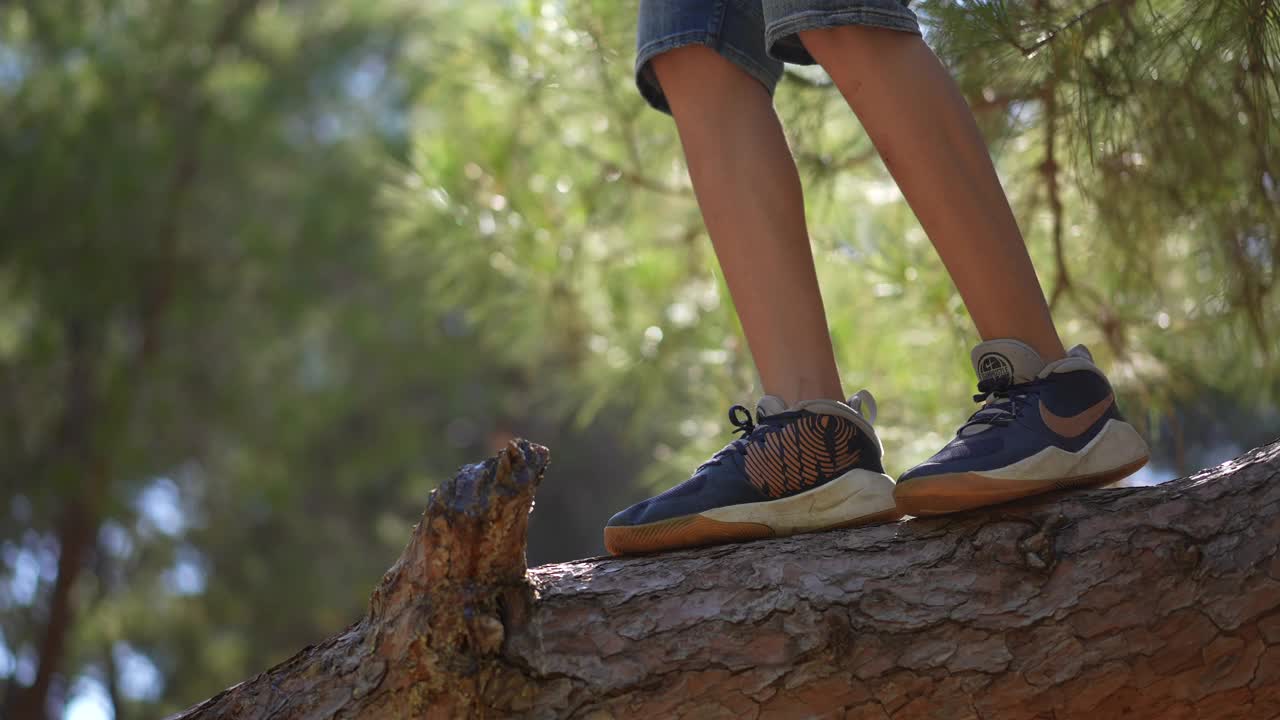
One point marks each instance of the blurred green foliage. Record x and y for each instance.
(271, 269)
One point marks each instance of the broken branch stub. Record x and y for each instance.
(428, 645)
(473, 532)
(445, 607)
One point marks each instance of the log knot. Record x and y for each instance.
(1037, 548)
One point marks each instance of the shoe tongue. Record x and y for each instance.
(863, 403)
(770, 405)
(1006, 361)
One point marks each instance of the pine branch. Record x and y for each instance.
(631, 177)
(1030, 50)
(1049, 171)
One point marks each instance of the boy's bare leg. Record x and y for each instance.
(924, 130)
(749, 191)
(1049, 420)
(805, 460)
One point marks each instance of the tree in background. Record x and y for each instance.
(269, 269)
(196, 317)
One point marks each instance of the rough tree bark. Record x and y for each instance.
(1159, 602)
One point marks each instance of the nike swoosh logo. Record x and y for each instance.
(1076, 425)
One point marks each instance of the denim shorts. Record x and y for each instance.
(757, 35)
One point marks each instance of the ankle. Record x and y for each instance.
(1049, 347)
(794, 390)
(1049, 350)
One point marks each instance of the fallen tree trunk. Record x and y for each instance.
(1160, 602)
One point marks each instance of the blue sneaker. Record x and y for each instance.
(1042, 426)
(812, 466)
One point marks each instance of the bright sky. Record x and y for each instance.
(90, 702)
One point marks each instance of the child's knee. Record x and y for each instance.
(858, 43)
(688, 61)
(698, 71)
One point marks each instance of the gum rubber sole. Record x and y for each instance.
(955, 492)
(696, 530)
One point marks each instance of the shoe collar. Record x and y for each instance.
(1010, 358)
(860, 409)
(1013, 361)
(1078, 358)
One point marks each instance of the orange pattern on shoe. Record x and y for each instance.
(799, 456)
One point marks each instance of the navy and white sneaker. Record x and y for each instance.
(813, 466)
(1042, 426)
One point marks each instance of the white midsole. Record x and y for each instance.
(855, 494)
(1117, 445)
